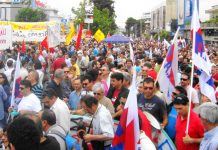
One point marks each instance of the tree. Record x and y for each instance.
(130, 24)
(102, 4)
(30, 15)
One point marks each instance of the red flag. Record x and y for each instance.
(44, 43)
(79, 36)
(23, 47)
(109, 44)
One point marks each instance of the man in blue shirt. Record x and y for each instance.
(75, 96)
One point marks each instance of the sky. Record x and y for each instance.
(126, 8)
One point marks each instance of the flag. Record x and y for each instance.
(44, 43)
(62, 28)
(16, 96)
(70, 35)
(23, 47)
(127, 133)
(167, 76)
(54, 35)
(79, 36)
(150, 53)
(39, 4)
(109, 45)
(99, 36)
(131, 53)
(201, 59)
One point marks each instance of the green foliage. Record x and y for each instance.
(102, 4)
(30, 15)
(130, 24)
(79, 13)
(164, 34)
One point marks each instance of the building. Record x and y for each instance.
(171, 13)
(213, 12)
(147, 17)
(158, 18)
(52, 14)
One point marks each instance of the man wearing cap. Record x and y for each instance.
(192, 139)
(208, 113)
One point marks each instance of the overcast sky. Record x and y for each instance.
(126, 8)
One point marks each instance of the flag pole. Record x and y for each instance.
(158, 75)
(192, 72)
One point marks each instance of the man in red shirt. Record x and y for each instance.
(195, 134)
(59, 61)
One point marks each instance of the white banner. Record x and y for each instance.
(54, 35)
(5, 37)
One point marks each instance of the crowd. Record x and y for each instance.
(60, 82)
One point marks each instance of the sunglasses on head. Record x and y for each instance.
(97, 93)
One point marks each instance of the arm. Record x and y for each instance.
(165, 120)
(117, 114)
(90, 137)
(189, 140)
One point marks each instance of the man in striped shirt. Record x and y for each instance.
(37, 88)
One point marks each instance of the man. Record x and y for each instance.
(126, 80)
(37, 88)
(29, 102)
(56, 82)
(102, 123)
(185, 83)
(106, 74)
(66, 83)
(129, 66)
(59, 61)
(75, 96)
(81, 62)
(98, 90)
(115, 91)
(9, 70)
(148, 101)
(23, 134)
(50, 127)
(150, 71)
(208, 113)
(87, 82)
(74, 64)
(62, 112)
(172, 114)
(195, 134)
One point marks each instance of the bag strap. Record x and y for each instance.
(62, 136)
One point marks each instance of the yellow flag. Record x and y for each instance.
(70, 35)
(99, 36)
(62, 28)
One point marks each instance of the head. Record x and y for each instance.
(123, 99)
(33, 77)
(4, 138)
(144, 71)
(10, 64)
(129, 63)
(126, 79)
(87, 82)
(66, 72)
(185, 80)
(37, 65)
(3, 79)
(47, 118)
(140, 87)
(49, 97)
(59, 75)
(76, 84)
(23, 134)
(181, 103)
(149, 88)
(178, 90)
(98, 90)
(73, 60)
(117, 80)
(208, 114)
(89, 104)
(25, 87)
(105, 70)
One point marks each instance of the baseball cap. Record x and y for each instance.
(181, 99)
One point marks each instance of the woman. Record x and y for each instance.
(6, 86)
(5, 142)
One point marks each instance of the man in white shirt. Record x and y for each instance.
(102, 122)
(59, 107)
(30, 101)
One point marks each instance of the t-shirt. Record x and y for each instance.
(30, 103)
(115, 95)
(155, 106)
(49, 144)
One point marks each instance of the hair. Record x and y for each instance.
(127, 77)
(5, 79)
(50, 93)
(26, 83)
(59, 73)
(181, 99)
(129, 60)
(74, 58)
(209, 112)
(88, 77)
(36, 74)
(181, 90)
(10, 63)
(37, 65)
(89, 100)
(23, 134)
(148, 80)
(93, 73)
(94, 63)
(49, 116)
(125, 94)
(98, 86)
(118, 76)
(186, 75)
(159, 60)
(148, 64)
(106, 66)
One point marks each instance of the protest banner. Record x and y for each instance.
(5, 37)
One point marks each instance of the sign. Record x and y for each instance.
(5, 37)
(54, 35)
(181, 13)
(89, 9)
(33, 31)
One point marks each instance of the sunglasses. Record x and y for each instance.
(85, 84)
(150, 88)
(174, 93)
(22, 88)
(123, 103)
(97, 94)
(184, 79)
(66, 71)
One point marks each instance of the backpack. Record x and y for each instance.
(70, 142)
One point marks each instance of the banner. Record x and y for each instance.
(32, 31)
(54, 35)
(5, 37)
(181, 13)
